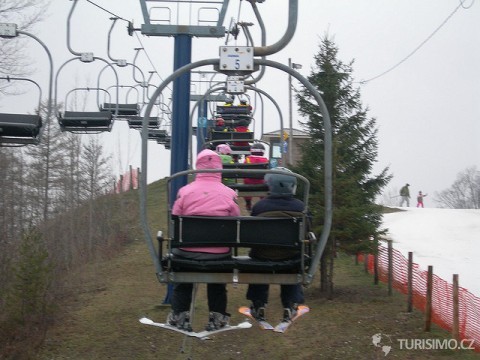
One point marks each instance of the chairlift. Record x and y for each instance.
(161, 136)
(232, 118)
(91, 122)
(85, 122)
(280, 230)
(121, 110)
(23, 129)
(289, 232)
(20, 129)
(136, 122)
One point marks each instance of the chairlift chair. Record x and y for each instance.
(122, 110)
(283, 231)
(92, 122)
(20, 129)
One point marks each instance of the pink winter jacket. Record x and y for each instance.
(207, 196)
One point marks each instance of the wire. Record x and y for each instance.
(108, 11)
(149, 59)
(138, 38)
(363, 82)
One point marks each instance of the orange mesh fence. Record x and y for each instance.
(127, 181)
(442, 294)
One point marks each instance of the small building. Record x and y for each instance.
(278, 153)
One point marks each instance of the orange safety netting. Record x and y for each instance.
(442, 294)
(127, 181)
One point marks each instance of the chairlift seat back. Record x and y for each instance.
(123, 109)
(20, 125)
(76, 121)
(237, 232)
(157, 134)
(231, 135)
(233, 110)
(136, 122)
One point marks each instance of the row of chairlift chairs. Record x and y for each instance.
(18, 129)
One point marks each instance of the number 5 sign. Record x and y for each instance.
(236, 58)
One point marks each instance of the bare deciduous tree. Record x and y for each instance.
(464, 193)
(14, 60)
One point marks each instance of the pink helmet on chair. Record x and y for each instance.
(224, 149)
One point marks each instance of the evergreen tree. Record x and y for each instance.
(356, 218)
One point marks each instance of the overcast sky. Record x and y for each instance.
(427, 107)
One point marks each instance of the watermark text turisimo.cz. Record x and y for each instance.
(436, 344)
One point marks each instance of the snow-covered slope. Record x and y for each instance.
(447, 239)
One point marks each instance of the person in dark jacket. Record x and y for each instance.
(405, 195)
(280, 201)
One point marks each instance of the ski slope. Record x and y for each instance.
(447, 239)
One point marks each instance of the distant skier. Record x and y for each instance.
(405, 195)
(420, 197)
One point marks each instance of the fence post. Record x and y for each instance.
(410, 283)
(375, 261)
(455, 309)
(365, 262)
(428, 298)
(130, 187)
(390, 267)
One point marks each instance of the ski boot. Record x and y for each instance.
(217, 321)
(180, 320)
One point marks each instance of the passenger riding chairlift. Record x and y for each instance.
(283, 230)
(93, 122)
(21, 129)
(24, 129)
(236, 232)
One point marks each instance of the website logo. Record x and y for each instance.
(382, 342)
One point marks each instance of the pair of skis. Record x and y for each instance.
(282, 326)
(203, 335)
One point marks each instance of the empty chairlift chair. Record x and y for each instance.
(20, 129)
(85, 122)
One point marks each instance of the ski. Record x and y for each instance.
(204, 335)
(148, 321)
(284, 325)
(245, 310)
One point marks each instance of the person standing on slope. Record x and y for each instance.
(405, 195)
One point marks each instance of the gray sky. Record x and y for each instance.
(427, 107)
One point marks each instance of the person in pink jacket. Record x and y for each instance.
(206, 196)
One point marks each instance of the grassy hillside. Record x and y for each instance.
(101, 320)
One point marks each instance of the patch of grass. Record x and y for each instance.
(101, 320)
(103, 324)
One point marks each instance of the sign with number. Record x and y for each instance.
(236, 58)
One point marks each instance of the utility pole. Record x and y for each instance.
(290, 111)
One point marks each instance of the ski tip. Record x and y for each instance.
(245, 325)
(145, 320)
(303, 309)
